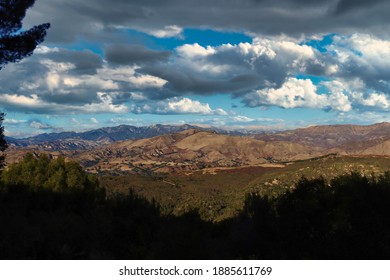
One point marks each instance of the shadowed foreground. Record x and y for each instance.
(347, 218)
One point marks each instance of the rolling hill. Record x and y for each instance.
(191, 150)
(342, 137)
(184, 148)
(93, 138)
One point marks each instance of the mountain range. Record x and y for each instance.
(167, 148)
(102, 136)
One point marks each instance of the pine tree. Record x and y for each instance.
(3, 143)
(16, 43)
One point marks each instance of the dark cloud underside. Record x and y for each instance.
(70, 19)
(133, 54)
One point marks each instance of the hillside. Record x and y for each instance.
(185, 148)
(191, 150)
(349, 138)
(220, 194)
(93, 138)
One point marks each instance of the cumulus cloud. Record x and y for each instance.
(235, 69)
(364, 57)
(298, 93)
(266, 72)
(177, 106)
(376, 100)
(122, 74)
(54, 80)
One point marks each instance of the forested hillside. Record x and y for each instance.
(51, 209)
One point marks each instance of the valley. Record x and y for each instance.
(219, 193)
(186, 168)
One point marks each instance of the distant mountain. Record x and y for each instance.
(347, 138)
(165, 148)
(188, 150)
(94, 138)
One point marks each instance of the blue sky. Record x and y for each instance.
(234, 64)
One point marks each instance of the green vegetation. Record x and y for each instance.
(280, 181)
(221, 195)
(47, 173)
(3, 143)
(215, 196)
(17, 43)
(347, 217)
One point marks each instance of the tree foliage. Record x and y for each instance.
(346, 218)
(43, 172)
(3, 143)
(16, 43)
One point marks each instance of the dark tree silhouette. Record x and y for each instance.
(3, 143)
(16, 43)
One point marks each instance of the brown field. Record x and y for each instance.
(218, 193)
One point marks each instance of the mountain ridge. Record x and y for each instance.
(122, 132)
(189, 150)
(185, 148)
(100, 136)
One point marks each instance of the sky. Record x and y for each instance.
(256, 64)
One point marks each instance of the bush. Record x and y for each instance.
(44, 172)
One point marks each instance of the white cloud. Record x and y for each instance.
(377, 100)
(263, 73)
(195, 50)
(339, 97)
(137, 96)
(105, 105)
(128, 74)
(75, 121)
(177, 106)
(266, 61)
(219, 112)
(257, 49)
(364, 47)
(198, 59)
(363, 117)
(299, 93)
(185, 106)
(293, 93)
(34, 103)
(13, 121)
(40, 125)
(16, 134)
(166, 32)
(277, 45)
(42, 49)
(354, 93)
(53, 81)
(94, 120)
(122, 120)
(242, 119)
